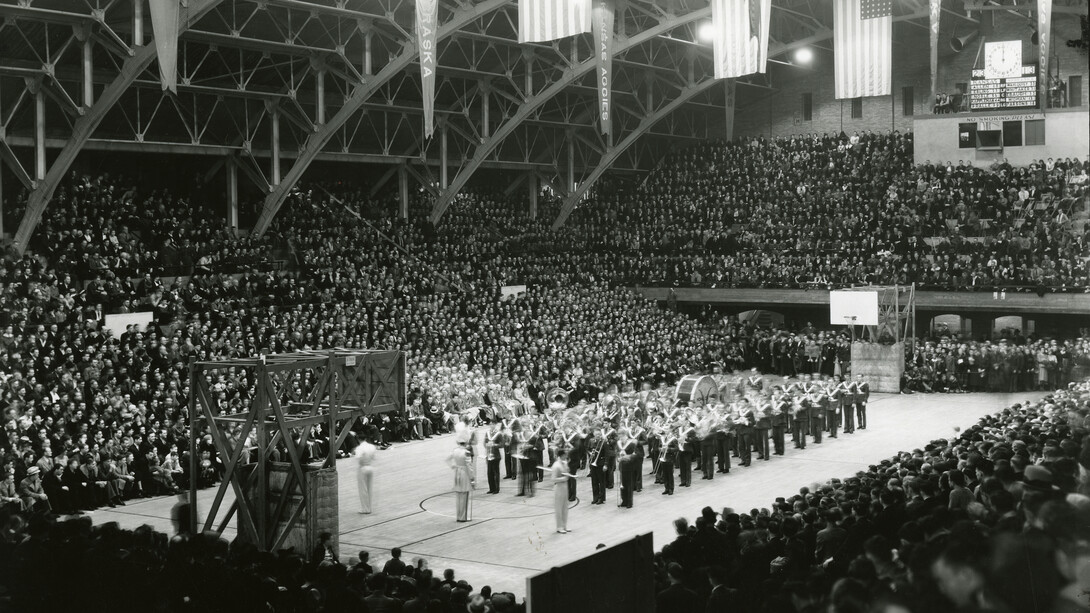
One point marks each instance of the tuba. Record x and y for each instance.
(557, 398)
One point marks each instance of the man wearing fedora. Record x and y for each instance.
(34, 497)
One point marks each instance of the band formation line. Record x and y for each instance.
(609, 440)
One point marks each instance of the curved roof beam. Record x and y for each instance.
(85, 125)
(572, 75)
(611, 154)
(353, 103)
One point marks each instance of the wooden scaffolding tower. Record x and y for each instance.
(896, 314)
(293, 395)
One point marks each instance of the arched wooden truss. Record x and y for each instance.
(265, 83)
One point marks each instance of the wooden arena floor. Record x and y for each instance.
(511, 539)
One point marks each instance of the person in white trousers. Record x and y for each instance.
(460, 463)
(365, 457)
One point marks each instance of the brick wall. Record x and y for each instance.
(779, 112)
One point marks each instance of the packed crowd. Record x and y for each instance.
(104, 568)
(952, 365)
(818, 211)
(93, 419)
(100, 418)
(994, 520)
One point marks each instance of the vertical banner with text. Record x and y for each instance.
(1044, 37)
(427, 24)
(602, 24)
(935, 14)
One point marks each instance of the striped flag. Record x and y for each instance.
(863, 46)
(741, 36)
(545, 20)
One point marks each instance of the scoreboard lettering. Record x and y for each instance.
(1018, 92)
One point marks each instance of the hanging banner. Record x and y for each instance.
(1044, 37)
(427, 24)
(164, 26)
(935, 13)
(603, 45)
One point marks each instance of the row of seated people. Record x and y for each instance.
(995, 519)
(794, 212)
(106, 568)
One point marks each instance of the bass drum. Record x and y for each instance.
(697, 389)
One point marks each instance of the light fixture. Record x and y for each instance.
(804, 56)
(706, 32)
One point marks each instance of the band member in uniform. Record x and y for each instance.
(862, 395)
(637, 459)
(846, 397)
(800, 418)
(831, 400)
(745, 433)
(628, 468)
(610, 459)
(666, 466)
(513, 438)
(527, 467)
(597, 460)
(538, 445)
(817, 414)
(685, 458)
(654, 449)
(763, 416)
(459, 463)
(708, 435)
(493, 442)
(781, 417)
(724, 441)
(577, 458)
(560, 475)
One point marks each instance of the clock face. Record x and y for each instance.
(1003, 60)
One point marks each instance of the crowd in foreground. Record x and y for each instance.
(994, 520)
(50, 566)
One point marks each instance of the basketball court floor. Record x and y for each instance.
(512, 538)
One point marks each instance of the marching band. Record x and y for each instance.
(624, 427)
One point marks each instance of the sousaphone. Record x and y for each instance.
(557, 398)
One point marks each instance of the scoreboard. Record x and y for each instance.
(992, 92)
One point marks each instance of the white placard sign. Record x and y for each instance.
(512, 290)
(118, 323)
(853, 308)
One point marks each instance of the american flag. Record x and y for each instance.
(863, 46)
(740, 45)
(545, 20)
